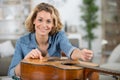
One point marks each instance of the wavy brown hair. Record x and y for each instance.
(48, 8)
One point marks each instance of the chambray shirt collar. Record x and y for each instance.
(50, 39)
(33, 43)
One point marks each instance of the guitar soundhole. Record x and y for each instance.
(68, 64)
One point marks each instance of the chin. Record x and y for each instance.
(43, 34)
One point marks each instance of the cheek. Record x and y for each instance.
(35, 28)
(51, 27)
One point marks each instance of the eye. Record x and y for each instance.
(49, 21)
(40, 20)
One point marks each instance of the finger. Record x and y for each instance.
(89, 53)
(31, 55)
(39, 54)
(84, 57)
(87, 57)
(35, 54)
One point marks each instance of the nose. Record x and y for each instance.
(44, 24)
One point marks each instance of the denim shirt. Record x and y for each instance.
(57, 43)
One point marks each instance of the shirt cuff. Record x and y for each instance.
(70, 52)
(12, 72)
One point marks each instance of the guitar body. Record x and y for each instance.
(35, 69)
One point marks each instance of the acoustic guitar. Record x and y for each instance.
(53, 68)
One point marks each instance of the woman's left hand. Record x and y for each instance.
(86, 55)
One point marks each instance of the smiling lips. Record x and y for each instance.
(43, 29)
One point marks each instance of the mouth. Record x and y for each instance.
(42, 29)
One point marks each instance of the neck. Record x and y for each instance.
(41, 40)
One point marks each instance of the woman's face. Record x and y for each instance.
(43, 23)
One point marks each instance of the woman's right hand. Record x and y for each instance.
(34, 54)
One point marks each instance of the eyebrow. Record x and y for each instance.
(42, 18)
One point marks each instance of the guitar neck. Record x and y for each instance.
(93, 66)
(99, 69)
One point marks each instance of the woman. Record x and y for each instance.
(45, 38)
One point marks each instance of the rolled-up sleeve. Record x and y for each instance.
(17, 57)
(11, 72)
(65, 44)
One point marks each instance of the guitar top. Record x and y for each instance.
(53, 61)
(59, 63)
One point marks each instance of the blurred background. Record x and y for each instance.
(92, 24)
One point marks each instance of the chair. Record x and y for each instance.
(75, 39)
(115, 56)
(112, 63)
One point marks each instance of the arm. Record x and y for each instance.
(14, 69)
(71, 51)
(17, 57)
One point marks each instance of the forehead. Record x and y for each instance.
(44, 14)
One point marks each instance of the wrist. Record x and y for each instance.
(76, 54)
